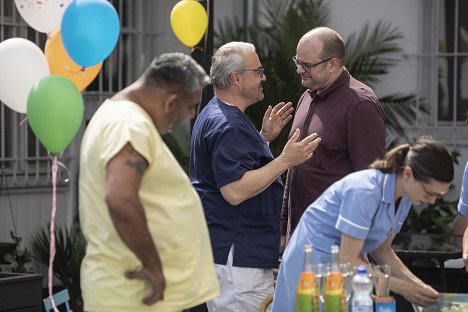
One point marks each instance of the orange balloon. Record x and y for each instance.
(61, 64)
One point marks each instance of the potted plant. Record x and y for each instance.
(19, 289)
(14, 258)
(5, 248)
(70, 249)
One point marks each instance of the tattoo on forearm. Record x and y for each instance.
(137, 162)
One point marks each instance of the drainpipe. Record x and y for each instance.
(202, 52)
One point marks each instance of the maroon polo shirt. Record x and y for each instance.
(351, 122)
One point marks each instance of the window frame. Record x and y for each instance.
(430, 63)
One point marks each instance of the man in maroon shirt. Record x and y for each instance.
(343, 111)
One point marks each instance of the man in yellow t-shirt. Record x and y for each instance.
(148, 244)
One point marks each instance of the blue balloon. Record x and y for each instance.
(90, 30)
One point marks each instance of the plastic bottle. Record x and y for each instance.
(362, 288)
(335, 291)
(307, 293)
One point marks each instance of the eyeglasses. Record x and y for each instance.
(308, 66)
(259, 71)
(427, 192)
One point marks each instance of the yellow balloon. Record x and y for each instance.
(189, 21)
(61, 64)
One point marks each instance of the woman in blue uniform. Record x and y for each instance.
(362, 213)
(461, 222)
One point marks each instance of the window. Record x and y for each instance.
(446, 59)
(453, 60)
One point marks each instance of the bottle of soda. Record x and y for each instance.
(362, 288)
(307, 293)
(335, 291)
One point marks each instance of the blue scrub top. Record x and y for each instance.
(360, 205)
(463, 202)
(224, 146)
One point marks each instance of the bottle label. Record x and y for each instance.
(305, 302)
(335, 295)
(385, 306)
(307, 294)
(362, 309)
(335, 302)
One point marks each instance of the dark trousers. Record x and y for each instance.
(199, 308)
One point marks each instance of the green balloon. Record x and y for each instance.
(55, 111)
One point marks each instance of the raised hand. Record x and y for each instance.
(295, 153)
(275, 119)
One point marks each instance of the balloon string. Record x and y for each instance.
(66, 169)
(23, 121)
(52, 231)
(83, 77)
(196, 48)
(82, 70)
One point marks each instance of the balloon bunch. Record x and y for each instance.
(81, 34)
(47, 85)
(189, 22)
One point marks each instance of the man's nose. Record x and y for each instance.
(300, 70)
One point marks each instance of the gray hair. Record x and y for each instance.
(228, 59)
(177, 71)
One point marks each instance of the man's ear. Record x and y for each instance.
(170, 102)
(334, 64)
(235, 78)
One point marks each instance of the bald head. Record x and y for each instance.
(330, 41)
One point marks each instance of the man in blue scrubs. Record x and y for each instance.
(238, 179)
(362, 213)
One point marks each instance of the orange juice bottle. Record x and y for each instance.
(307, 293)
(335, 293)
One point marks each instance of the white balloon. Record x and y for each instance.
(22, 64)
(44, 15)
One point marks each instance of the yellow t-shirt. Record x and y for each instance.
(173, 210)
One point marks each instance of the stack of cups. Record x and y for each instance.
(383, 300)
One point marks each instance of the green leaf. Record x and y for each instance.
(371, 52)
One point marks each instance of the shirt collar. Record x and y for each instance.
(389, 188)
(340, 81)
